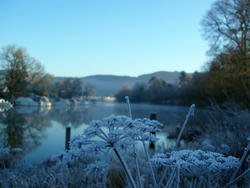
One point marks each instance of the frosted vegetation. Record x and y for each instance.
(114, 152)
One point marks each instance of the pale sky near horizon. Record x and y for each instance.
(119, 37)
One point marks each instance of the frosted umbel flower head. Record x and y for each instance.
(118, 132)
(197, 159)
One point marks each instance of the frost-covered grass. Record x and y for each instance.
(225, 131)
(85, 170)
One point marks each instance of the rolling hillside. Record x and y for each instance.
(108, 85)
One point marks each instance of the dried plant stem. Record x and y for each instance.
(134, 149)
(149, 163)
(171, 179)
(191, 109)
(163, 177)
(125, 167)
(238, 178)
(129, 108)
(137, 168)
(178, 176)
(241, 161)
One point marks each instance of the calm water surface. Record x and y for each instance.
(41, 132)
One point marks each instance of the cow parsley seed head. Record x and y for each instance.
(115, 132)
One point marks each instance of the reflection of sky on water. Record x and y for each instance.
(41, 133)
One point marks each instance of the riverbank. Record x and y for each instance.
(45, 102)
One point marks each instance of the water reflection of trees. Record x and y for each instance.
(25, 128)
(23, 131)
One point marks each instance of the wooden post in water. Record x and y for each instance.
(67, 138)
(153, 116)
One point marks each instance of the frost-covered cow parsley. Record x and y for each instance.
(196, 160)
(120, 132)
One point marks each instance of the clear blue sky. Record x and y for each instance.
(120, 37)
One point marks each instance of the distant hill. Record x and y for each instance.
(108, 85)
(169, 77)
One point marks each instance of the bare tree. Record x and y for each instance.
(226, 25)
(20, 70)
(13, 62)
